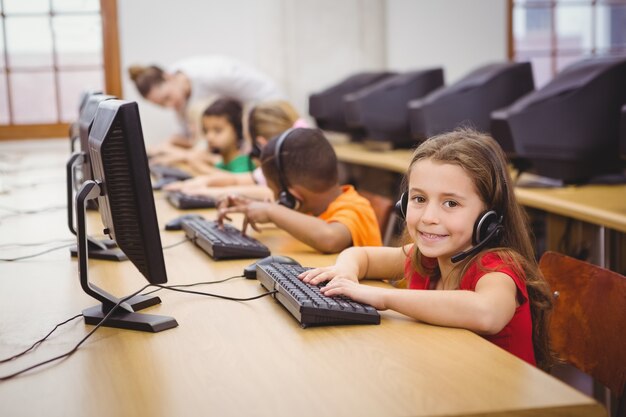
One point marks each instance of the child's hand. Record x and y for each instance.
(355, 291)
(328, 273)
(254, 211)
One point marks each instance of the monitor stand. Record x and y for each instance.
(124, 316)
(97, 249)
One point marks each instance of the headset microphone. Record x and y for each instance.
(493, 228)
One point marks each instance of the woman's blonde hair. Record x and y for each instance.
(270, 118)
(482, 158)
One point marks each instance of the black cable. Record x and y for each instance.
(4, 245)
(196, 284)
(40, 341)
(19, 258)
(105, 318)
(75, 348)
(208, 294)
(32, 211)
(177, 243)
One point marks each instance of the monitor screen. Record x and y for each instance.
(568, 129)
(470, 101)
(126, 202)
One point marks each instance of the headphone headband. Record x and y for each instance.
(285, 198)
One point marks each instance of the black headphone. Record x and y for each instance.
(487, 228)
(285, 198)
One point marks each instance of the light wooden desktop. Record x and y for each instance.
(238, 358)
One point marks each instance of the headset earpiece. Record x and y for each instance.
(285, 198)
(401, 206)
(487, 228)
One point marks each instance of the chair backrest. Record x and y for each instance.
(588, 325)
(383, 207)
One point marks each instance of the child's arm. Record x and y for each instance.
(356, 263)
(485, 311)
(322, 236)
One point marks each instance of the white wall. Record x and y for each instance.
(306, 45)
(303, 45)
(457, 35)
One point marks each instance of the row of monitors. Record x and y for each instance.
(115, 171)
(573, 128)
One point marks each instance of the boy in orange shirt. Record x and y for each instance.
(301, 170)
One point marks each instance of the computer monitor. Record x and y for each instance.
(73, 132)
(381, 108)
(569, 129)
(85, 122)
(327, 106)
(622, 134)
(470, 101)
(122, 186)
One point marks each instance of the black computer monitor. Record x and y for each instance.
(327, 106)
(122, 186)
(622, 134)
(73, 132)
(569, 129)
(470, 101)
(85, 122)
(381, 108)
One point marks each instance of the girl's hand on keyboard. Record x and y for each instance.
(355, 291)
(327, 273)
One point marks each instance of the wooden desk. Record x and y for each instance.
(236, 359)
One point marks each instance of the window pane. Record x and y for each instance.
(611, 27)
(2, 64)
(4, 103)
(573, 27)
(76, 5)
(532, 28)
(72, 84)
(29, 41)
(26, 6)
(33, 98)
(78, 40)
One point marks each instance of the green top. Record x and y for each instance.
(242, 163)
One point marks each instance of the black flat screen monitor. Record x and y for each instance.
(569, 129)
(85, 121)
(327, 106)
(381, 108)
(126, 205)
(470, 101)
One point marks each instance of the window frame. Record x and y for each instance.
(112, 79)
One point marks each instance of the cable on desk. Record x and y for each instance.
(40, 341)
(16, 213)
(75, 348)
(196, 284)
(19, 258)
(106, 317)
(5, 245)
(177, 243)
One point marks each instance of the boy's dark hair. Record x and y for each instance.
(229, 108)
(306, 159)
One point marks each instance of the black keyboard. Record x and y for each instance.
(184, 201)
(307, 304)
(161, 171)
(223, 243)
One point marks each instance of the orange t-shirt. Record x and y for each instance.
(356, 213)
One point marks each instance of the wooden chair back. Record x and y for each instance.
(588, 324)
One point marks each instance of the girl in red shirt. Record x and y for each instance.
(468, 233)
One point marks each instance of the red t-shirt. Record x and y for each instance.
(517, 336)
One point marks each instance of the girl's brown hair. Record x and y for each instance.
(146, 77)
(271, 118)
(483, 160)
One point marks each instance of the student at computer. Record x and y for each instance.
(300, 167)
(198, 78)
(223, 131)
(265, 121)
(469, 233)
